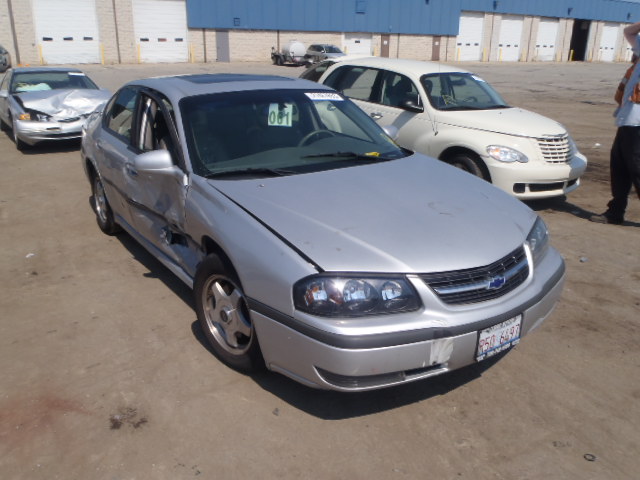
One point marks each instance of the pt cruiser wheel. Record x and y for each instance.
(224, 316)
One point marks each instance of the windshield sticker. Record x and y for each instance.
(315, 96)
(280, 115)
(76, 74)
(478, 79)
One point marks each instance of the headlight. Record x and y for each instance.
(352, 296)
(506, 154)
(573, 148)
(34, 116)
(538, 239)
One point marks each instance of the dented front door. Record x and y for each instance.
(158, 195)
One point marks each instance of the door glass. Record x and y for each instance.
(397, 90)
(355, 82)
(120, 117)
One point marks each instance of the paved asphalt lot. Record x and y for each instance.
(104, 373)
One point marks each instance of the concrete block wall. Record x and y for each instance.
(25, 33)
(6, 37)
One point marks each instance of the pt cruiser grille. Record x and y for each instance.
(480, 284)
(555, 149)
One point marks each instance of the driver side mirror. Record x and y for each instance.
(155, 161)
(411, 106)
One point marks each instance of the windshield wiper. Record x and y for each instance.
(351, 155)
(252, 172)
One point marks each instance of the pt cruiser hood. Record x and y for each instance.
(411, 215)
(509, 121)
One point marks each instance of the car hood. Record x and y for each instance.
(62, 104)
(411, 215)
(509, 121)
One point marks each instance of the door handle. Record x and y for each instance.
(131, 170)
(376, 115)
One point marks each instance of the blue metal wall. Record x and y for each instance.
(606, 10)
(434, 17)
(424, 17)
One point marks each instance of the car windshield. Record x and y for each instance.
(280, 132)
(332, 49)
(37, 81)
(461, 91)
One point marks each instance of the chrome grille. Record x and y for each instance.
(555, 149)
(480, 284)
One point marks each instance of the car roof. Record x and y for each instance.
(44, 69)
(415, 68)
(178, 86)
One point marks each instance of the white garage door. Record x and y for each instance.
(509, 40)
(67, 31)
(546, 40)
(161, 30)
(469, 40)
(608, 42)
(358, 43)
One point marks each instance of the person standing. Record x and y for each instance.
(625, 152)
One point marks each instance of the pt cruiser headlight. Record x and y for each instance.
(506, 154)
(538, 239)
(352, 296)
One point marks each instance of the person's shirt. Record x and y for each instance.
(628, 114)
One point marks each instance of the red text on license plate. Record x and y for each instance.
(499, 337)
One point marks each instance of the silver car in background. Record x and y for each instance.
(45, 103)
(313, 243)
(5, 59)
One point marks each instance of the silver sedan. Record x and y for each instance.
(314, 245)
(46, 103)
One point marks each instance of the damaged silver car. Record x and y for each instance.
(41, 103)
(314, 245)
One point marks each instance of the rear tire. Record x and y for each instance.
(224, 316)
(101, 207)
(471, 164)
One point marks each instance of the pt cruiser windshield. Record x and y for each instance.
(280, 132)
(461, 91)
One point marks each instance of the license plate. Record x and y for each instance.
(498, 338)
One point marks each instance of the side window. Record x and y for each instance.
(154, 127)
(397, 90)
(314, 73)
(354, 82)
(120, 117)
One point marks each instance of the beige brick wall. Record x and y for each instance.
(107, 32)
(25, 32)
(254, 45)
(415, 47)
(6, 39)
(126, 34)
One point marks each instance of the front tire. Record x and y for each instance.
(20, 145)
(471, 164)
(224, 316)
(101, 207)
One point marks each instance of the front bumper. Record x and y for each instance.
(537, 179)
(31, 132)
(360, 362)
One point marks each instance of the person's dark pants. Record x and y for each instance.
(625, 169)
